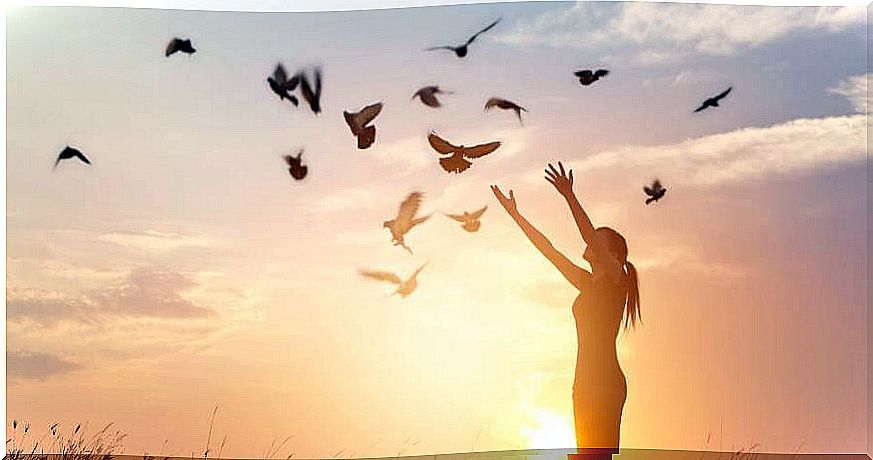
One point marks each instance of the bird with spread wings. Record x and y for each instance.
(470, 221)
(404, 287)
(358, 122)
(461, 51)
(458, 161)
(406, 219)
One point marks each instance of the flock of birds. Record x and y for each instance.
(454, 159)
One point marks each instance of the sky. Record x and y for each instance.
(185, 269)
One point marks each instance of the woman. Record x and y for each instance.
(606, 293)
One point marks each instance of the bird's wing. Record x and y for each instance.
(418, 221)
(583, 73)
(656, 185)
(440, 145)
(289, 159)
(419, 270)
(601, 73)
(701, 107)
(429, 99)
(648, 190)
(486, 29)
(457, 217)
(478, 214)
(725, 93)
(440, 48)
(481, 150)
(80, 156)
(57, 162)
(493, 102)
(381, 276)
(368, 113)
(409, 207)
(279, 74)
(171, 47)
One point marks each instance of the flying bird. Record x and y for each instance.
(457, 162)
(295, 165)
(406, 219)
(461, 51)
(178, 44)
(713, 101)
(311, 92)
(69, 152)
(282, 86)
(358, 122)
(505, 105)
(404, 287)
(587, 77)
(428, 95)
(469, 220)
(655, 192)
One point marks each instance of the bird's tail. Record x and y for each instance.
(455, 164)
(649, 200)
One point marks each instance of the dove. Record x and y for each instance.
(406, 219)
(505, 105)
(282, 86)
(295, 165)
(311, 94)
(461, 51)
(428, 95)
(587, 77)
(469, 220)
(178, 44)
(358, 122)
(457, 162)
(655, 192)
(713, 101)
(69, 152)
(404, 287)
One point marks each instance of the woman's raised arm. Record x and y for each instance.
(577, 276)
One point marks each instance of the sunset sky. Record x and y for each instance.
(185, 269)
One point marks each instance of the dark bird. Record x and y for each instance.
(282, 86)
(358, 122)
(311, 92)
(461, 51)
(457, 162)
(69, 152)
(587, 77)
(505, 105)
(655, 192)
(295, 165)
(428, 95)
(713, 101)
(404, 288)
(178, 44)
(406, 219)
(470, 220)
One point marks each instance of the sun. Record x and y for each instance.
(550, 431)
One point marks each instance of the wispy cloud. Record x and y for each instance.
(794, 147)
(143, 293)
(156, 241)
(36, 366)
(656, 32)
(855, 89)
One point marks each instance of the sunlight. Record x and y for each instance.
(552, 431)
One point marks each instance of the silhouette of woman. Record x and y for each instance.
(606, 293)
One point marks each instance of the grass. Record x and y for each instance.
(77, 444)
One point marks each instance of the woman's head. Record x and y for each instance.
(617, 246)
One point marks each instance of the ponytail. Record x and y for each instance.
(632, 304)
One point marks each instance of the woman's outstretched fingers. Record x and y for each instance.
(571, 176)
(561, 165)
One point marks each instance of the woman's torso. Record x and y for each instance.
(598, 312)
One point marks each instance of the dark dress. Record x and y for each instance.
(599, 388)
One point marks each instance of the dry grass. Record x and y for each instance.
(77, 444)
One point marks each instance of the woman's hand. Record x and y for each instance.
(508, 203)
(562, 181)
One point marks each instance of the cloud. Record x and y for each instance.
(793, 147)
(855, 89)
(143, 293)
(656, 31)
(156, 241)
(36, 366)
